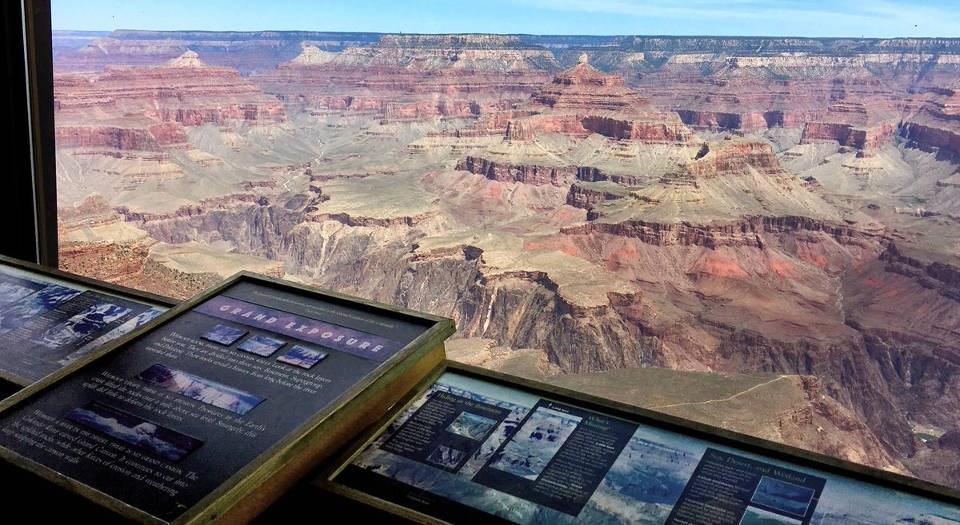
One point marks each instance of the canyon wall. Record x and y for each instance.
(719, 206)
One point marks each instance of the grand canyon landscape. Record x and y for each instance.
(761, 234)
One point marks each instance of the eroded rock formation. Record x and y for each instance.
(404, 77)
(583, 100)
(184, 90)
(562, 217)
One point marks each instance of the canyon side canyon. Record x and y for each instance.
(760, 234)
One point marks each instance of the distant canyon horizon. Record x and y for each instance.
(761, 234)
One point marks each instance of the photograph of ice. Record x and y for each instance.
(19, 312)
(13, 289)
(776, 494)
(446, 457)
(848, 501)
(10, 292)
(261, 345)
(85, 324)
(471, 426)
(754, 516)
(123, 329)
(648, 473)
(130, 325)
(224, 335)
(164, 442)
(535, 443)
(302, 356)
(201, 389)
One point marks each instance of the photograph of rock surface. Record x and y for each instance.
(755, 232)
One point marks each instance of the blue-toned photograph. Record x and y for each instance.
(261, 345)
(778, 495)
(83, 325)
(201, 389)
(302, 356)
(12, 289)
(133, 430)
(19, 312)
(123, 329)
(754, 516)
(446, 457)
(535, 443)
(471, 426)
(224, 335)
(132, 324)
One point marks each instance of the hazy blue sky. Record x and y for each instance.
(853, 18)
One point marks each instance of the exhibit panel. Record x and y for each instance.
(223, 403)
(471, 445)
(50, 319)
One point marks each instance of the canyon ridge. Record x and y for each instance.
(761, 234)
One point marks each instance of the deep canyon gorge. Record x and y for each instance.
(757, 233)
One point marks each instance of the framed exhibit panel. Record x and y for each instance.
(472, 445)
(223, 403)
(50, 319)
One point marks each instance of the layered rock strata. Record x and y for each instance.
(572, 221)
(937, 125)
(404, 77)
(583, 100)
(184, 90)
(852, 124)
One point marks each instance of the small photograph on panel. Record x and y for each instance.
(83, 325)
(224, 335)
(472, 426)
(535, 443)
(446, 457)
(778, 495)
(13, 289)
(261, 345)
(302, 356)
(753, 516)
(134, 430)
(19, 312)
(201, 389)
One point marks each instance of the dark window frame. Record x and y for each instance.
(28, 193)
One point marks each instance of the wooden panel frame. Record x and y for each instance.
(327, 478)
(13, 381)
(253, 487)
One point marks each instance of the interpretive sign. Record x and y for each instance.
(50, 319)
(224, 402)
(472, 445)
